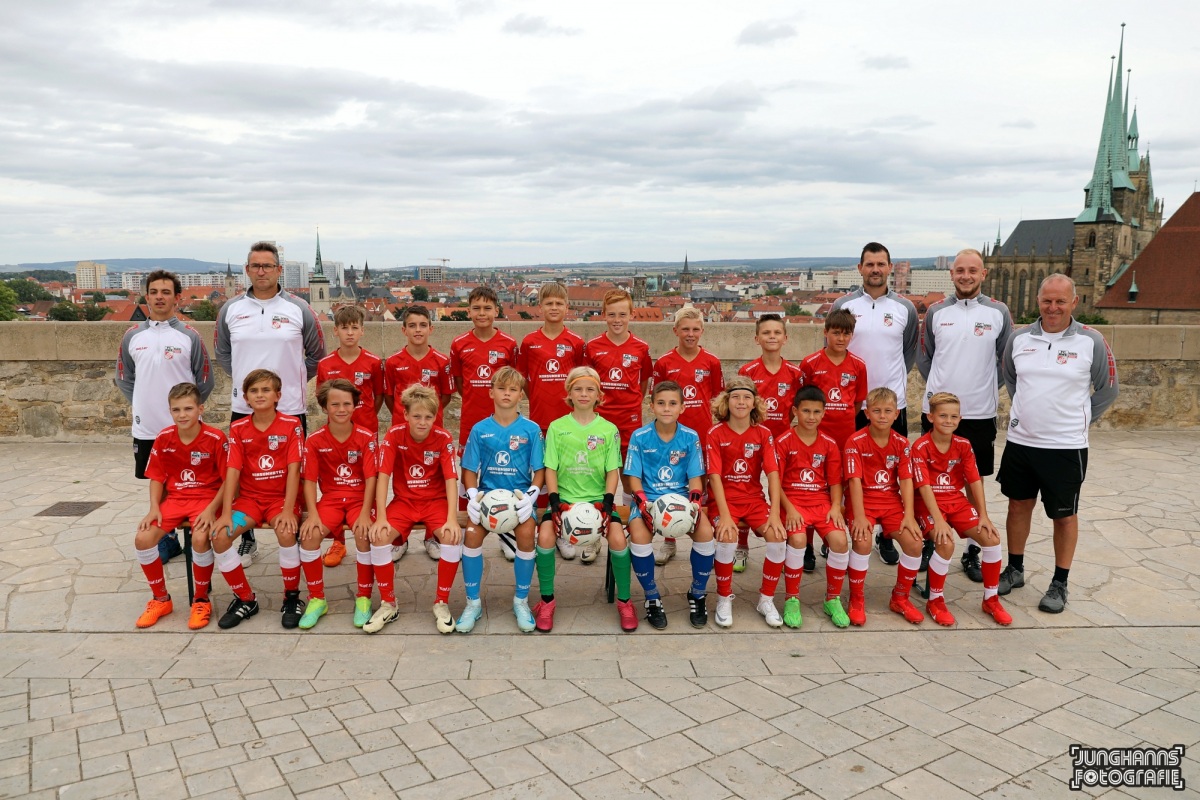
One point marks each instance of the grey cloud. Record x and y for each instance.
(886, 62)
(765, 32)
(529, 25)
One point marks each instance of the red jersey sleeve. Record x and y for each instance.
(387, 453)
(446, 459)
(716, 378)
(310, 468)
(861, 387)
(904, 468)
(712, 452)
(237, 455)
(833, 464)
(967, 463)
(454, 366)
(852, 462)
(154, 467)
(295, 453)
(770, 462)
(647, 369)
(370, 461)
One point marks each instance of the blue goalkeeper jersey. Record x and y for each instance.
(504, 457)
(664, 467)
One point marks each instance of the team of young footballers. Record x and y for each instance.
(784, 428)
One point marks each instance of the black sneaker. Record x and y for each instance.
(926, 554)
(248, 550)
(292, 610)
(1055, 599)
(970, 564)
(1011, 579)
(887, 549)
(810, 559)
(655, 614)
(238, 610)
(168, 547)
(824, 551)
(697, 611)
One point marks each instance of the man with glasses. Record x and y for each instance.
(268, 328)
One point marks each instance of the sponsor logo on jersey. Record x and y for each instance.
(581, 457)
(430, 456)
(740, 467)
(943, 479)
(344, 471)
(416, 471)
(981, 327)
(274, 440)
(484, 372)
(279, 320)
(772, 404)
(170, 351)
(502, 458)
(835, 395)
(187, 476)
(689, 393)
(266, 463)
(665, 474)
(552, 365)
(808, 476)
(615, 375)
(883, 476)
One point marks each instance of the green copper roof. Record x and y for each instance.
(1113, 161)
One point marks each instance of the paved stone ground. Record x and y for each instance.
(91, 708)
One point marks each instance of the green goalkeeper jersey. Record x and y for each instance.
(582, 456)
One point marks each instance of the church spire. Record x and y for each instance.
(1112, 161)
(318, 268)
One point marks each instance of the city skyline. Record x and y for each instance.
(498, 134)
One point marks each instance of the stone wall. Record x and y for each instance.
(56, 378)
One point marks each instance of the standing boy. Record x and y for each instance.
(364, 370)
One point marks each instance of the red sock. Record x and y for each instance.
(154, 577)
(937, 583)
(724, 573)
(770, 579)
(340, 535)
(904, 580)
(834, 578)
(445, 581)
(384, 575)
(291, 578)
(202, 579)
(314, 577)
(991, 574)
(366, 579)
(743, 539)
(791, 580)
(858, 581)
(238, 584)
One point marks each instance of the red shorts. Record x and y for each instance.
(625, 434)
(260, 509)
(816, 516)
(338, 511)
(955, 509)
(175, 510)
(404, 514)
(752, 513)
(889, 516)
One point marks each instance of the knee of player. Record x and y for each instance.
(945, 549)
(638, 532)
(145, 539)
(797, 540)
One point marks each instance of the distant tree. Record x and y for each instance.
(8, 303)
(1085, 318)
(46, 275)
(793, 310)
(119, 292)
(779, 292)
(94, 313)
(28, 291)
(458, 315)
(420, 294)
(97, 297)
(203, 311)
(525, 315)
(141, 300)
(65, 311)
(804, 313)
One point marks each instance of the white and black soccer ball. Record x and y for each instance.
(582, 524)
(498, 511)
(673, 516)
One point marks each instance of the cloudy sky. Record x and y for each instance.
(499, 132)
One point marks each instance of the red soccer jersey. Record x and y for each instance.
(946, 473)
(624, 369)
(740, 459)
(807, 471)
(776, 389)
(340, 469)
(545, 363)
(401, 371)
(263, 456)
(419, 470)
(472, 362)
(365, 372)
(701, 380)
(879, 468)
(192, 471)
(845, 388)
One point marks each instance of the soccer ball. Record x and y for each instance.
(582, 524)
(673, 516)
(498, 511)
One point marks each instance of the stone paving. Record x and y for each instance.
(91, 708)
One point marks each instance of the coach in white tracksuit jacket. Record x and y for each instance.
(1061, 377)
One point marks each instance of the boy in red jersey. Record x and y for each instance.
(262, 484)
(777, 381)
(943, 465)
(363, 369)
(878, 472)
(840, 374)
(187, 462)
(739, 450)
(421, 457)
(545, 358)
(417, 363)
(340, 460)
(698, 373)
(623, 363)
(810, 464)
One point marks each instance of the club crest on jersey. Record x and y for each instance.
(430, 456)
(196, 457)
(274, 441)
(892, 461)
(494, 356)
(847, 378)
(701, 374)
(359, 377)
(818, 459)
(782, 389)
(887, 320)
(749, 448)
(952, 464)
(170, 351)
(353, 455)
(627, 359)
(981, 327)
(1065, 355)
(561, 350)
(594, 441)
(278, 320)
(515, 442)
